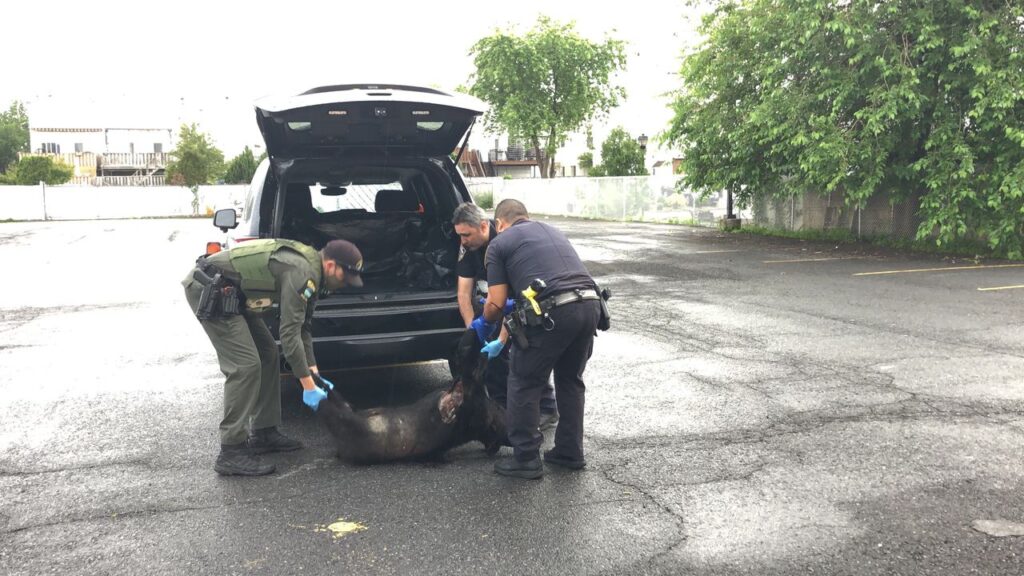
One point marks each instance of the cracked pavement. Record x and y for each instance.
(743, 417)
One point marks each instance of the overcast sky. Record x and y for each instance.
(112, 63)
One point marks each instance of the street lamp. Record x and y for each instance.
(642, 141)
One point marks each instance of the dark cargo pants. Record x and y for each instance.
(249, 359)
(564, 350)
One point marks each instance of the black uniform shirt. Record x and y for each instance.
(529, 249)
(471, 262)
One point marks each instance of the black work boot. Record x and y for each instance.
(236, 460)
(270, 440)
(530, 469)
(553, 457)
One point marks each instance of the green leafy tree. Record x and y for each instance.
(621, 155)
(896, 97)
(194, 161)
(14, 135)
(586, 160)
(241, 168)
(32, 170)
(546, 84)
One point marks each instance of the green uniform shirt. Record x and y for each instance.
(297, 284)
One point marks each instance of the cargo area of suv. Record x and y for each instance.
(372, 165)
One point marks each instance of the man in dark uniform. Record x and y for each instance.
(475, 233)
(525, 250)
(267, 272)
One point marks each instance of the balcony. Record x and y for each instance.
(142, 180)
(128, 161)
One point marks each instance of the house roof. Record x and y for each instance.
(66, 130)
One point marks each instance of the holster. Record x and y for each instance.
(219, 297)
(516, 331)
(604, 322)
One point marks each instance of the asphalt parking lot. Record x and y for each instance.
(760, 406)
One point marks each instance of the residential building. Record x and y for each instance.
(107, 156)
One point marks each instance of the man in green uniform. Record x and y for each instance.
(242, 285)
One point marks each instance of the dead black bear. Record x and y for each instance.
(427, 428)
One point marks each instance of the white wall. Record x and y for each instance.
(640, 198)
(97, 202)
(91, 141)
(121, 140)
(637, 198)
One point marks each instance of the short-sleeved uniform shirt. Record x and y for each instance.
(471, 262)
(529, 249)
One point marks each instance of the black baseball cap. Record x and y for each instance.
(348, 256)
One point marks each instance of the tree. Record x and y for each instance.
(241, 168)
(586, 160)
(621, 155)
(194, 161)
(898, 97)
(32, 170)
(546, 84)
(14, 135)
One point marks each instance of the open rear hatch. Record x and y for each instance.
(340, 120)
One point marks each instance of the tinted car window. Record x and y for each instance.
(357, 196)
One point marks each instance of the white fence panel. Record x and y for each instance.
(91, 202)
(21, 203)
(627, 198)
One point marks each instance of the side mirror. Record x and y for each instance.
(225, 219)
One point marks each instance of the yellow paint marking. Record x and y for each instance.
(946, 269)
(341, 528)
(798, 260)
(1001, 288)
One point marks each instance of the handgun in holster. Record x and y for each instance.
(219, 297)
(605, 321)
(209, 300)
(515, 331)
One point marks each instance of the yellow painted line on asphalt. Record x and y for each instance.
(1001, 288)
(799, 260)
(945, 269)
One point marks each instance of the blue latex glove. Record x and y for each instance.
(326, 382)
(483, 328)
(313, 397)
(509, 304)
(493, 348)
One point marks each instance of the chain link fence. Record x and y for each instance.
(878, 217)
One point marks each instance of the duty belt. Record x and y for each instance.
(569, 297)
(524, 315)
